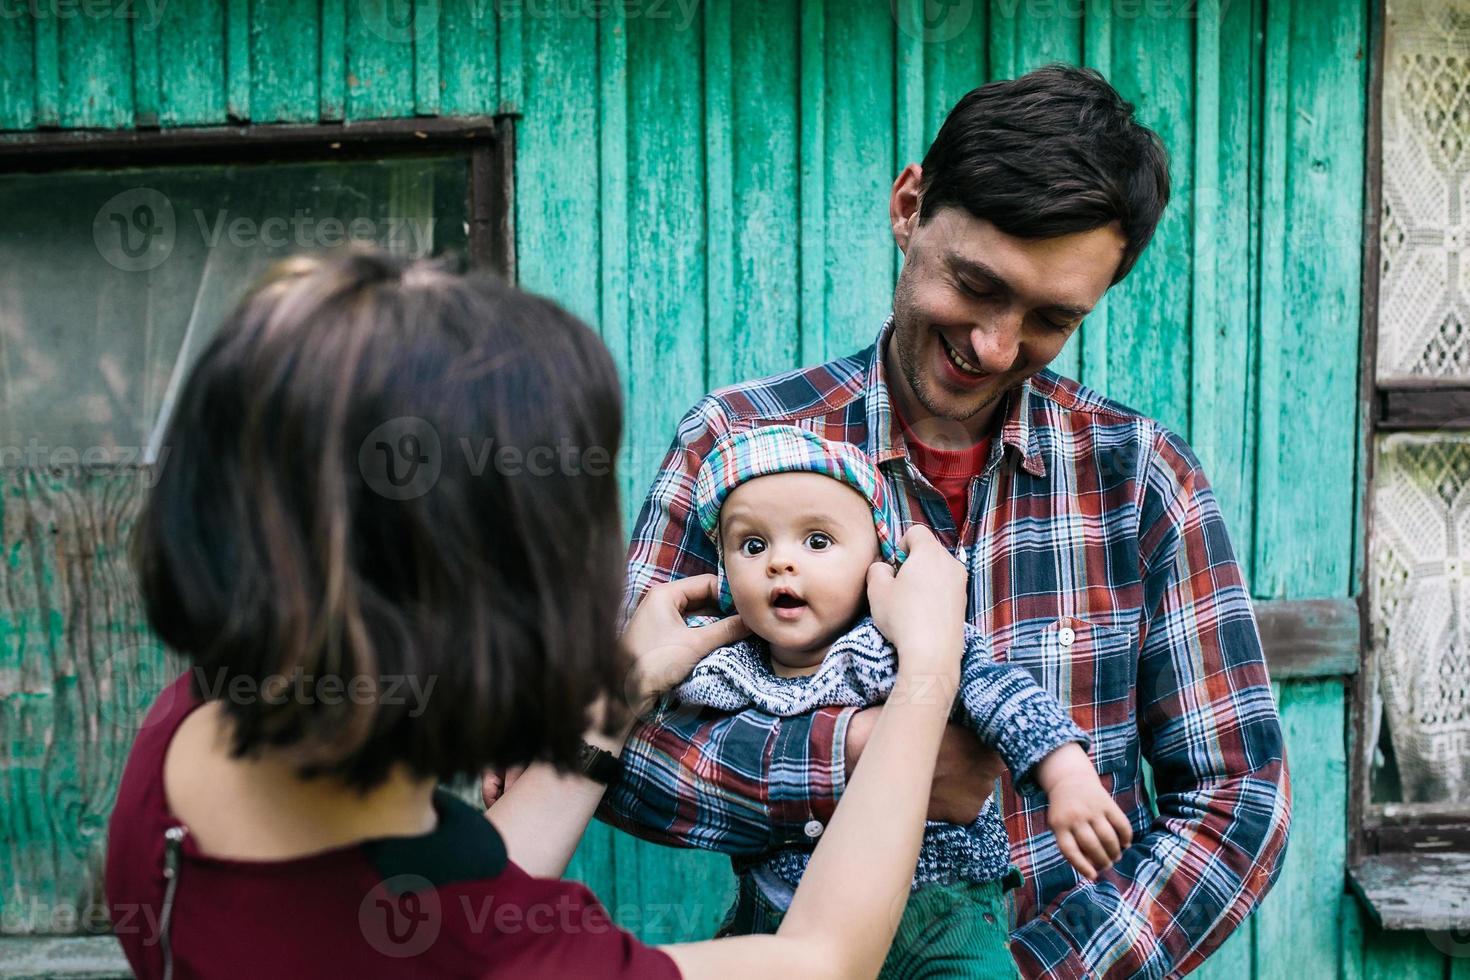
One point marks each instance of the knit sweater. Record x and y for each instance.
(1001, 703)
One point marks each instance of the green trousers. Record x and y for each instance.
(956, 930)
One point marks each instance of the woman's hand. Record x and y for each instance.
(921, 607)
(663, 646)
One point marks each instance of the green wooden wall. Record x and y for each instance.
(706, 181)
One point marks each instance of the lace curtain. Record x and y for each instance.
(1419, 551)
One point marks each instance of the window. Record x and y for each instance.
(112, 280)
(1410, 780)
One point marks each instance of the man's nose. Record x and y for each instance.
(997, 342)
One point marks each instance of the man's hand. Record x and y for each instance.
(964, 773)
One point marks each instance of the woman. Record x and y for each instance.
(387, 538)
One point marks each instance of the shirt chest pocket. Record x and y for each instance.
(1092, 671)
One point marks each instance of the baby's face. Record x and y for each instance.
(797, 549)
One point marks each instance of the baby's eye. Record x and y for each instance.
(752, 546)
(817, 541)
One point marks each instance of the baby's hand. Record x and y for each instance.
(1090, 829)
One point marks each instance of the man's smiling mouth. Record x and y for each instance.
(959, 362)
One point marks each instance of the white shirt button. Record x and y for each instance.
(1066, 636)
(813, 829)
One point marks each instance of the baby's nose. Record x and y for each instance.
(780, 562)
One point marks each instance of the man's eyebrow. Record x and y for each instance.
(975, 269)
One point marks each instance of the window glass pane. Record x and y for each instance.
(111, 282)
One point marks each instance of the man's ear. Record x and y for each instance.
(903, 205)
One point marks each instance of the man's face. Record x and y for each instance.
(977, 311)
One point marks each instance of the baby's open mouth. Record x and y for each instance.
(788, 601)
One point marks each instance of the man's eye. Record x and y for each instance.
(817, 541)
(752, 546)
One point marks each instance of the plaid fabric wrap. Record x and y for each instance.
(1098, 560)
(772, 449)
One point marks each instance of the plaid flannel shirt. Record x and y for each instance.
(1098, 559)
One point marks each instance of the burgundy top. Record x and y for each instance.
(447, 903)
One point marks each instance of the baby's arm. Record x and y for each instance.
(1044, 750)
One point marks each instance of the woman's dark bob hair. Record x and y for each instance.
(386, 530)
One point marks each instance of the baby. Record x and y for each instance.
(797, 520)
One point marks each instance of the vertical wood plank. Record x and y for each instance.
(380, 79)
(511, 58)
(146, 71)
(910, 55)
(1050, 34)
(1148, 325)
(78, 669)
(673, 894)
(953, 67)
(1297, 925)
(1231, 427)
(1092, 339)
(1400, 956)
(469, 37)
(46, 34)
(96, 68)
(612, 138)
(192, 69)
(812, 232)
(426, 57)
(763, 335)
(18, 75)
(1003, 59)
(1206, 404)
(719, 185)
(333, 76)
(286, 69)
(860, 138)
(1310, 313)
(595, 860)
(557, 169)
(237, 59)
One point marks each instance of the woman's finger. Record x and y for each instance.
(692, 592)
(725, 631)
(492, 786)
(919, 537)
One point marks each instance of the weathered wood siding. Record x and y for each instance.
(707, 181)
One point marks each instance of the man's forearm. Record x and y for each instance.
(705, 779)
(1158, 912)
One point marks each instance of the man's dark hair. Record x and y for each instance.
(286, 536)
(1053, 152)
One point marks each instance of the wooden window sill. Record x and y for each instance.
(1414, 890)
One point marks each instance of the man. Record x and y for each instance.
(1097, 555)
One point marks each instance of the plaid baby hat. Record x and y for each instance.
(771, 449)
